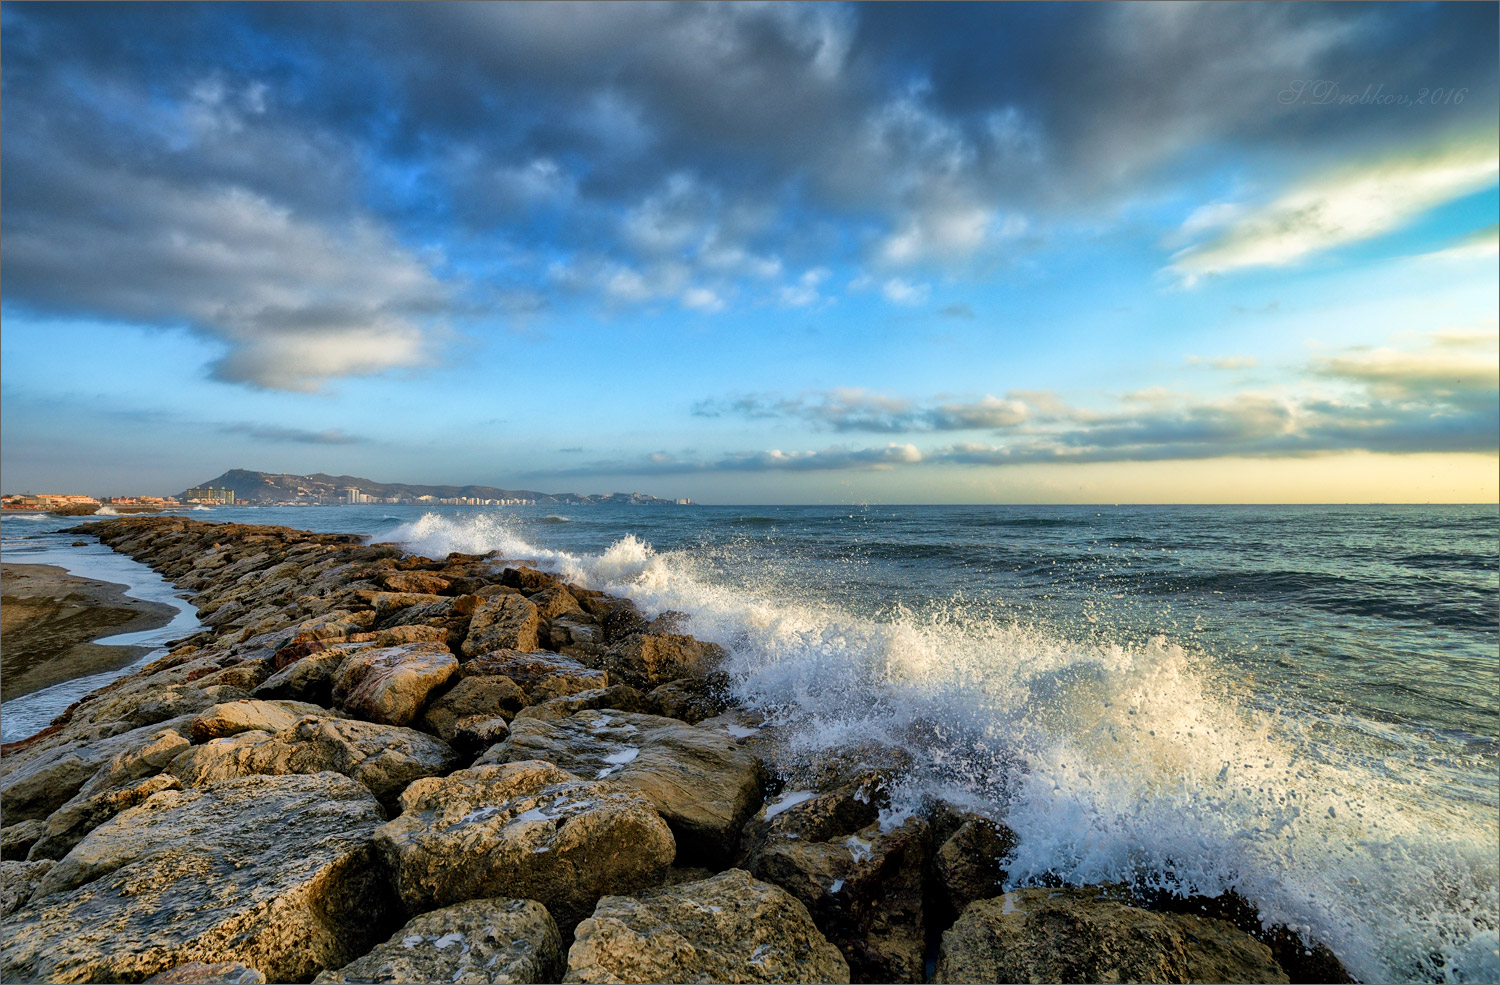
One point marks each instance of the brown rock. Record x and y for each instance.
(691, 699)
(308, 679)
(417, 582)
(481, 941)
(701, 782)
(730, 928)
(16, 839)
(1093, 935)
(244, 716)
(971, 862)
(391, 684)
(273, 872)
(622, 697)
(539, 674)
(556, 601)
(490, 697)
(505, 622)
(647, 660)
(72, 821)
(526, 579)
(18, 881)
(218, 973)
(524, 828)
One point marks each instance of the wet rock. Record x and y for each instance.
(528, 829)
(540, 675)
(274, 872)
(18, 881)
(619, 696)
(489, 697)
(385, 758)
(970, 864)
(1091, 935)
(480, 941)
(620, 620)
(861, 881)
(647, 660)
(691, 699)
(701, 782)
(68, 825)
(392, 684)
(246, 716)
(16, 839)
(504, 622)
(574, 629)
(218, 973)
(730, 928)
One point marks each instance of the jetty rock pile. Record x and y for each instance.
(378, 767)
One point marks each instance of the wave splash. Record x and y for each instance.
(1132, 763)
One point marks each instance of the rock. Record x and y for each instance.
(420, 582)
(574, 629)
(480, 941)
(18, 880)
(730, 928)
(691, 699)
(555, 601)
(475, 733)
(504, 622)
(245, 716)
(527, 829)
(218, 973)
(391, 684)
(540, 675)
(619, 696)
(1085, 935)
(491, 697)
(863, 882)
(620, 621)
(275, 872)
(646, 660)
(970, 864)
(16, 839)
(72, 821)
(701, 782)
(385, 758)
(526, 579)
(309, 679)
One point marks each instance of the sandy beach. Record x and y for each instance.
(49, 620)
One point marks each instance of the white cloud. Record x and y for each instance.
(900, 291)
(1356, 204)
(1224, 362)
(702, 299)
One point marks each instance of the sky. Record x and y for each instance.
(746, 253)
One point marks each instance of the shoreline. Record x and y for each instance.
(380, 744)
(50, 621)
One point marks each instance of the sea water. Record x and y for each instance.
(1296, 702)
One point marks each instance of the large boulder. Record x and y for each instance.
(704, 784)
(503, 622)
(385, 758)
(276, 872)
(1093, 935)
(392, 684)
(861, 880)
(539, 674)
(86, 811)
(729, 928)
(472, 943)
(18, 881)
(525, 829)
(309, 678)
(647, 660)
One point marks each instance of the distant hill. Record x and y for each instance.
(270, 487)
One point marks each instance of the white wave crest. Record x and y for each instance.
(1137, 763)
(106, 511)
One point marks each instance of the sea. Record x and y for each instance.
(1299, 703)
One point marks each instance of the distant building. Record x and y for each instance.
(353, 496)
(208, 494)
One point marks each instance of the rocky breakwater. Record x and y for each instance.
(380, 767)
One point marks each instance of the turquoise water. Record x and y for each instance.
(1296, 702)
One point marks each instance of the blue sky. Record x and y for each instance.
(748, 253)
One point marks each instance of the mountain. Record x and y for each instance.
(264, 488)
